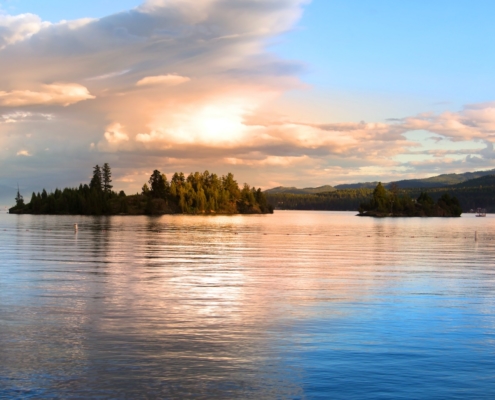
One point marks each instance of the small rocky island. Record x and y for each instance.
(198, 193)
(391, 203)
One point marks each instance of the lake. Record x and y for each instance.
(295, 305)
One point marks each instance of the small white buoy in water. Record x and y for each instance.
(475, 236)
(75, 228)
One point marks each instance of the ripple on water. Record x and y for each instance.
(291, 305)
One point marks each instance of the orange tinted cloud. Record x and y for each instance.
(169, 80)
(56, 94)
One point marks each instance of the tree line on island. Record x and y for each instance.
(470, 195)
(382, 202)
(198, 193)
(385, 203)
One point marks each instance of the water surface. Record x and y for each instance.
(291, 305)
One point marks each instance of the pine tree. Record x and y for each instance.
(158, 188)
(19, 200)
(107, 178)
(96, 181)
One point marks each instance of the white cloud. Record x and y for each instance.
(19, 27)
(23, 153)
(168, 80)
(22, 116)
(109, 75)
(114, 134)
(55, 94)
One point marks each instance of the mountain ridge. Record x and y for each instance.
(294, 190)
(437, 181)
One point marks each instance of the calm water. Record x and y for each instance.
(292, 305)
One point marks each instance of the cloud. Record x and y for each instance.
(168, 80)
(114, 134)
(109, 75)
(23, 153)
(226, 118)
(474, 121)
(54, 94)
(20, 27)
(23, 116)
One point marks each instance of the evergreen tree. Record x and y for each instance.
(19, 199)
(96, 182)
(157, 185)
(199, 193)
(107, 178)
(380, 197)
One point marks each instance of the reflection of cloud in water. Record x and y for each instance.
(220, 306)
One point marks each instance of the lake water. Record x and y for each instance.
(297, 305)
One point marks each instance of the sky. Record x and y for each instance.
(279, 92)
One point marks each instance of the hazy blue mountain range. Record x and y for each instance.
(293, 190)
(426, 183)
(359, 185)
(443, 180)
(432, 182)
(477, 183)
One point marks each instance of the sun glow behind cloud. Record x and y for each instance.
(217, 122)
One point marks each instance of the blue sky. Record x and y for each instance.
(285, 92)
(57, 10)
(430, 54)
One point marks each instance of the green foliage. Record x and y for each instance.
(400, 201)
(380, 199)
(158, 185)
(339, 200)
(403, 205)
(199, 193)
(96, 181)
(293, 190)
(107, 178)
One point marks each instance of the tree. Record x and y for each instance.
(107, 178)
(450, 205)
(157, 184)
(380, 197)
(19, 200)
(230, 185)
(96, 182)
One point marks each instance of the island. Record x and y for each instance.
(391, 203)
(198, 193)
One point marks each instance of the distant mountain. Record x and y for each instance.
(360, 185)
(432, 182)
(294, 190)
(442, 180)
(481, 182)
(438, 181)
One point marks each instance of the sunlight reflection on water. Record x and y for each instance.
(290, 305)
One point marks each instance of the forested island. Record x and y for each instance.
(390, 203)
(471, 193)
(198, 193)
